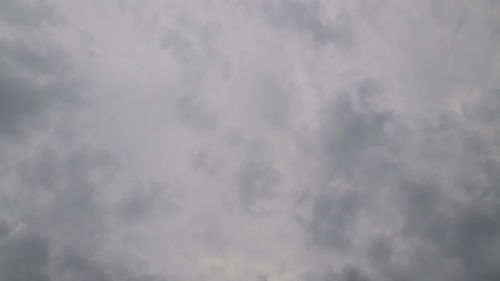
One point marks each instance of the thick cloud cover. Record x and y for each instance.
(278, 140)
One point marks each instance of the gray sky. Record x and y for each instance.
(261, 140)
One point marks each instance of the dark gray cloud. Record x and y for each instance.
(24, 257)
(28, 13)
(349, 131)
(25, 101)
(70, 219)
(307, 17)
(353, 274)
(444, 216)
(333, 219)
(195, 113)
(347, 273)
(53, 219)
(56, 231)
(36, 78)
(76, 268)
(146, 201)
(256, 180)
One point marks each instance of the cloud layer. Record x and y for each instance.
(279, 140)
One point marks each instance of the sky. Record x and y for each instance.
(249, 140)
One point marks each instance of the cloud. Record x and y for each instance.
(35, 77)
(28, 14)
(249, 140)
(306, 17)
(256, 181)
(24, 258)
(434, 222)
(52, 220)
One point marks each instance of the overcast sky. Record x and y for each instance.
(249, 140)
